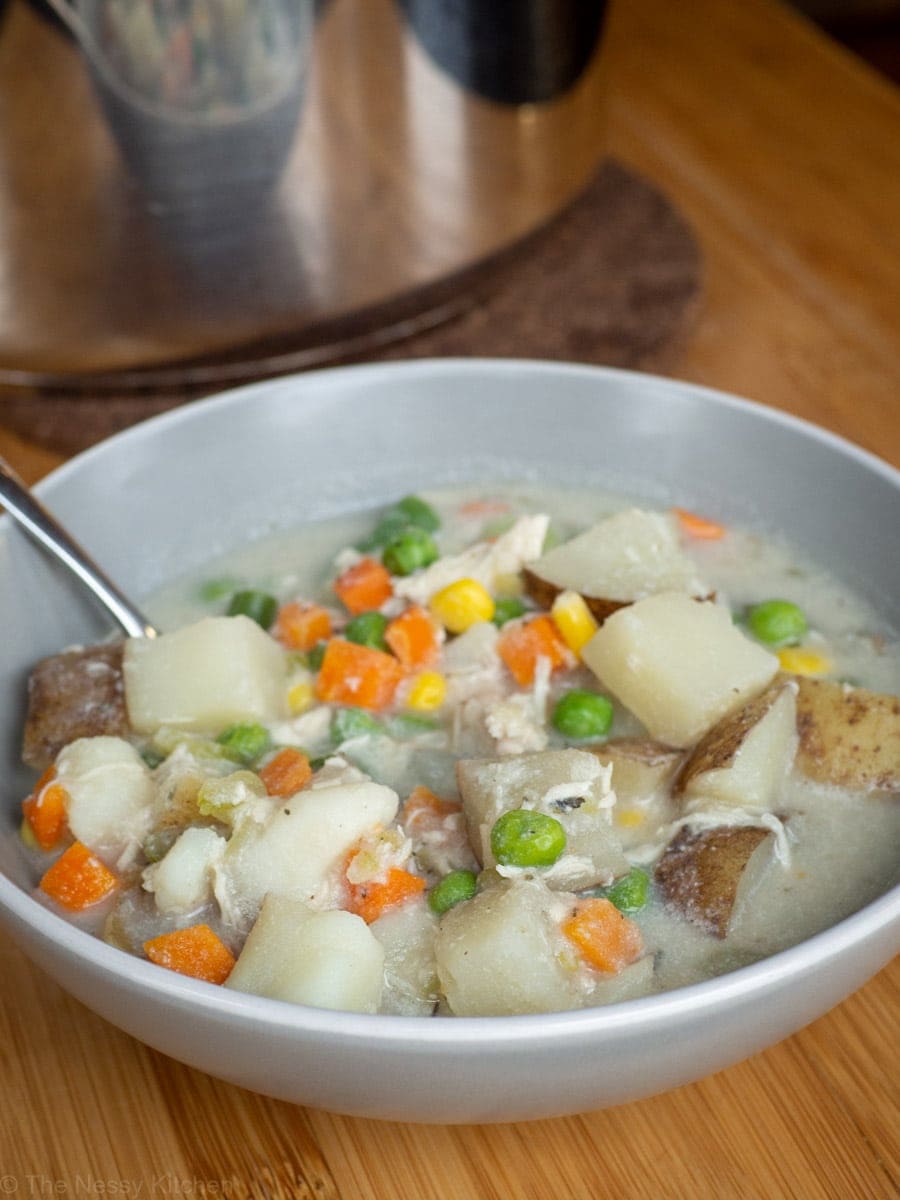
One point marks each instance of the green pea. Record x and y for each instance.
(245, 742)
(410, 511)
(777, 622)
(417, 512)
(582, 714)
(410, 550)
(258, 606)
(367, 630)
(313, 658)
(350, 723)
(451, 890)
(524, 838)
(507, 608)
(629, 894)
(389, 527)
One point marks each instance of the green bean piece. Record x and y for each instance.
(213, 590)
(581, 714)
(407, 725)
(312, 659)
(524, 838)
(245, 742)
(350, 723)
(777, 622)
(258, 606)
(630, 893)
(411, 550)
(507, 608)
(367, 629)
(452, 890)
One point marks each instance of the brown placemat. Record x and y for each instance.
(614, 279)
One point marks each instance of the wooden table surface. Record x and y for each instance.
(785, 155)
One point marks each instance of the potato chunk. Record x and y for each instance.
(849, 736)
(204, 677)
(744, 758)
(110, 792)
(325, 959)
(642, 774)
(74, 695)
(623, 558)
(407, 932)
(570, 785)
(678, 664)
(502, 952)
(700, 871)
(294, 851)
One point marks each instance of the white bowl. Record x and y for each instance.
(155, 501)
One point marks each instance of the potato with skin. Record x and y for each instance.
(680, 665)
(700, 872)
(621, 559)
(76, 694)
(849, 736)
(744, 758)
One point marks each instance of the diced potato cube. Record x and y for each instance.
(744, 758)
(206, 676)
(325, 959)
(623, 558)
(181, 881)
(301, 843)
(642, 774)
(849, 736)
(502, 953)
(570, 785)
(680, 665)
(110, 792)
(407, 932)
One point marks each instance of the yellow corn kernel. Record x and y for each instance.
(799, 660)
(427, 692)
(629, 818)
(574, 620)
(461, 604)
(300, 697)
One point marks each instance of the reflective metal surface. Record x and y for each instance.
(156, 234)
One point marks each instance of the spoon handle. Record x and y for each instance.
(43, 527)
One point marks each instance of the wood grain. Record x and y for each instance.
(784, 155)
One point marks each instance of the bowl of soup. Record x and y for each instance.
(520, 738)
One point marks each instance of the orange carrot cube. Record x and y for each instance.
(195, 951)
(286, 773)
(423, 805)
(78, 879)
(357, 675)
(521, 645)
(364, 586)
(605, 937)
(370, 900)
(45, 810)
(300, 626)
(413, 638)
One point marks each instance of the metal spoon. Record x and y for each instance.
(43, 527)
